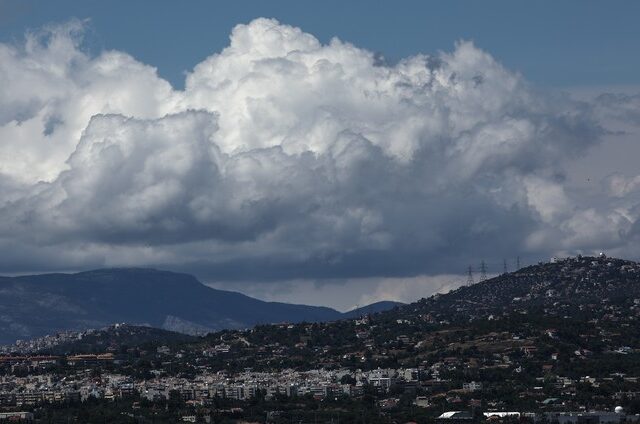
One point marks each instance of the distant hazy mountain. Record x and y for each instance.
(374, 308)
(36, 305)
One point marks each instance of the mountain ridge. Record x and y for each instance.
(36, 305)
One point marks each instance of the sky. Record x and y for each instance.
(567, 43)
(333, 153)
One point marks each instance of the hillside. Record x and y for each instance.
(582, 304)
(573, 284)
(373, 308)
(554, 337)
(36, 305)
(114, 338)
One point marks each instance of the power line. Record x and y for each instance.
(483, 271)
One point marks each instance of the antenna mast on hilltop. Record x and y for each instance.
(469, 276)
(483, 271)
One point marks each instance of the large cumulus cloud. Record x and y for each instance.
(287, 158)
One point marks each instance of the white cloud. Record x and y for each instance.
(285, 158)
(621, 186)
(50, 90)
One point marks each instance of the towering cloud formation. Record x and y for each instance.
(286, 158)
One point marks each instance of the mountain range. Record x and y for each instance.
(35, 305)
(588, 305)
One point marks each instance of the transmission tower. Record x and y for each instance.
(504, 265)
(518, 262)
(483, 271)
(469, 276)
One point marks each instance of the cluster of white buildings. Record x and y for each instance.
(46, 388)
(319, 383)
(38, 389)
(45, 342)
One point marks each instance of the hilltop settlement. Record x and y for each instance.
(554, 342)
